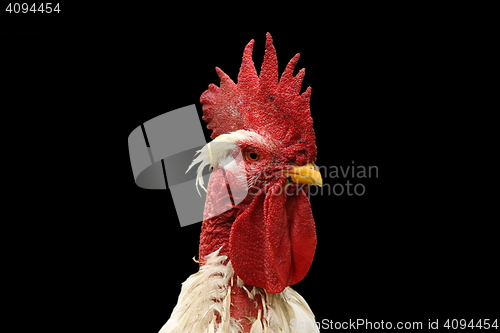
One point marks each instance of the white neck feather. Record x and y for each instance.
(206, 295)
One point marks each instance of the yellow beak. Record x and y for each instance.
(307, 174)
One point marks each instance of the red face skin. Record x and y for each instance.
(270, 236)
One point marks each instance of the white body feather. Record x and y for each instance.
(207, 294)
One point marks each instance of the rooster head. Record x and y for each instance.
(264, 126)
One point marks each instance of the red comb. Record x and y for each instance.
(272, 108)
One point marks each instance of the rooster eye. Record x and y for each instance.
(252, 156)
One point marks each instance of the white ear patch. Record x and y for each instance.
(218, 153)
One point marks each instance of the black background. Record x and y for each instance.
(382, 91)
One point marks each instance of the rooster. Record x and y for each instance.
(254, 247)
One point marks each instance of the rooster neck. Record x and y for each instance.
(247, 304)
(214, 235)
(215, 231)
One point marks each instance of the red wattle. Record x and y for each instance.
(272, 243)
